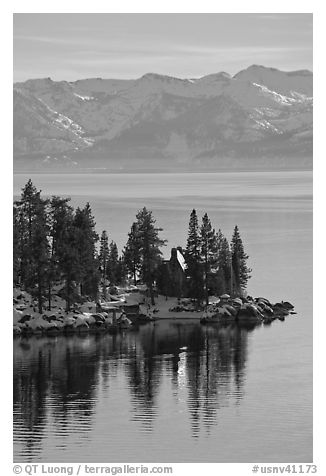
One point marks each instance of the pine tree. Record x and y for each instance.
(87, 274)
(65, 249)
(31, 245)
(51, 243)
(208, 250)
(150, 244)
(224, 262)
(103, 260)
(24, 218)
(241, 272)
(131, 253)
(60, 214)
(113, 264)
(193, 258)
(16, 253)
(40, 250)
(121, 271)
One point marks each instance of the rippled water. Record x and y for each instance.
(175, 391)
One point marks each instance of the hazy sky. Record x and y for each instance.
(107, 45)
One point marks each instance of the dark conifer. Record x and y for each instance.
(208, 251)
(193, 259)
(31, 245)
(16, 249)
(104, 259)
(113, 264)
(150, 244)
(60, 215)
(40, 251)
(121, 271)
(24, 219)
(224, 263)
(66, 253)
(240, 270)
(131, 253)
(86, 237)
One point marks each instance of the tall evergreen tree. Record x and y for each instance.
(24, 218)
(224, 263)
(16, 249)
(31, 245)
(40, 250)
(113, 264)
(193, 258)
(241, 272)
(60, 214)
(150, 244)
(121, 271)
(208, 251)
(65, 249)
(131, 253)
(104, 259)
(86, 238)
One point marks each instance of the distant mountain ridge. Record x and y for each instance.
(260, 117)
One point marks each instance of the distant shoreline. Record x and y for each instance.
(158, 172)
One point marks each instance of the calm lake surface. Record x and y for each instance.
(175, 391)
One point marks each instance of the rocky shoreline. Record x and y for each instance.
(248, 309)
(130, 308)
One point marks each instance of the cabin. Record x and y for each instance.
(171, 279)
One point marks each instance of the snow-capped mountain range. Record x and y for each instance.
(259, 117)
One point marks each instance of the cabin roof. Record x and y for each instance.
(181, 260)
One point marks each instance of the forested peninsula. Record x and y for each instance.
(68, 277)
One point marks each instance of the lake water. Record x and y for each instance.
(175, 391)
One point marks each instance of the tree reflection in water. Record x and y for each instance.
(59, 381)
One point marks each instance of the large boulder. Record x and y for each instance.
(232, 311)
(287, 305)
(81, 323)
(265, 309)
(236, 302)
(264, 300)
(37, 324)
(249, 312)
(69, 320)
(280, 310)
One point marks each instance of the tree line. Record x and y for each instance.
(57, 246)
(213, 266)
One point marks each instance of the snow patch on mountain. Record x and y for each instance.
(281, 99)
(84, 98)
(67, 123)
